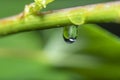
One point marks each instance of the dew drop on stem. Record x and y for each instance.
(70, 33)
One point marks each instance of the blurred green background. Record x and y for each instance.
(43, 55)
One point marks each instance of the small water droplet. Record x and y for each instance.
(70, 33)
(76, 19)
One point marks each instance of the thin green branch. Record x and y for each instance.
(98, 13)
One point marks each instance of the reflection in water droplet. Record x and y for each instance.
(71, 40)
(70, 33)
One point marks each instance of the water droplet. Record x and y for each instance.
(76, 18)
(70, 33)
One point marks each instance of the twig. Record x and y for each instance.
(98, 13)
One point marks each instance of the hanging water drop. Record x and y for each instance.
(70, 33)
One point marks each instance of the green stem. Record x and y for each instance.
(98, 13)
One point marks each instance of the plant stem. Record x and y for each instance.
(98, 13)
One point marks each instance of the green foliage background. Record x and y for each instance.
(43, 55)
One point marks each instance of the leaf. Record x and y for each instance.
(94, 55)
(27, 40)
